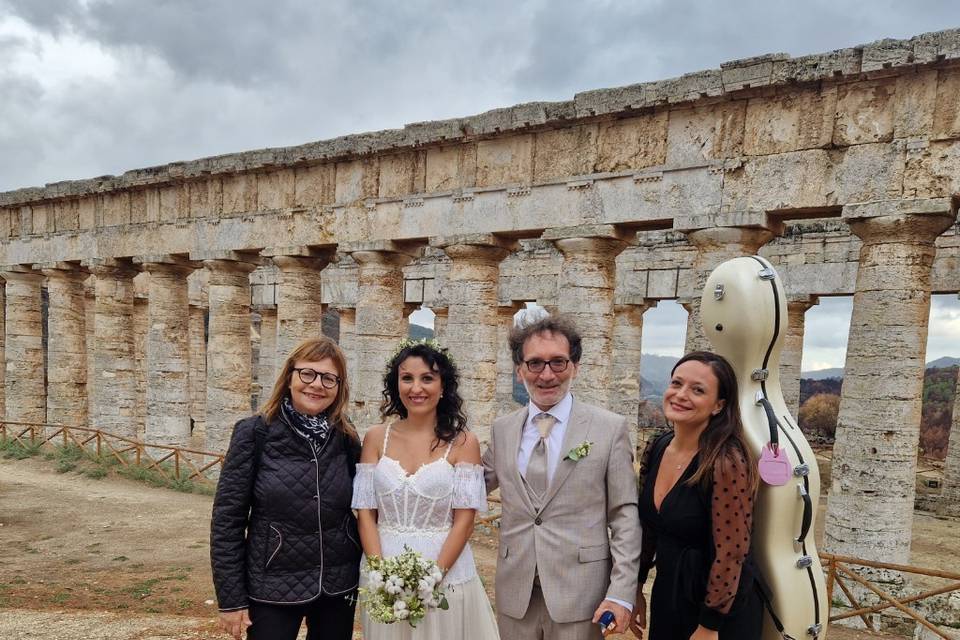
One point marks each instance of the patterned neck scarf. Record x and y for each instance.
(313, 428)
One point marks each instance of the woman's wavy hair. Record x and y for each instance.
(312, 350)
(451, 421)
(724, 437)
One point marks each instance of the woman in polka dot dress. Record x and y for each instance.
(697, 490)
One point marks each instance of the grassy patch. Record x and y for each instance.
(18, 450)
(96, 473)
(120, 559)
(143, 588)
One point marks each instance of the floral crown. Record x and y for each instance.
(430, 343)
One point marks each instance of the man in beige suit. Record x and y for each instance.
(569, 533)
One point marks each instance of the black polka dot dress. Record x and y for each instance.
(699, 542)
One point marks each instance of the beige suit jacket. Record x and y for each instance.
(585, 540)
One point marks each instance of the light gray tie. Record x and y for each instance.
(537, 466)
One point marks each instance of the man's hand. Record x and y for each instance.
(235, 622)
(620, 613)
(638, 621)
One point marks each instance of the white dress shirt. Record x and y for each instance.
(531, 435)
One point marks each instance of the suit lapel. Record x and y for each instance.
(512, 439)
(576, 432)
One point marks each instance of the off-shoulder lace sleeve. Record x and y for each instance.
(732, 517)
(469, 490)
(364, 492)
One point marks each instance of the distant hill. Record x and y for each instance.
(418, 332)
(654, 375)
(837, 372)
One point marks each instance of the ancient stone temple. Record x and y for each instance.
(172, 293)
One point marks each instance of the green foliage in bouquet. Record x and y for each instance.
(402, 588)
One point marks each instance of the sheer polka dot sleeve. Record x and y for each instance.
(732, 518)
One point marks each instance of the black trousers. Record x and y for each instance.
(328, 618)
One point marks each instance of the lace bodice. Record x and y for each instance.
(416, 509)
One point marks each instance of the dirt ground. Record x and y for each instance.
(84, 558)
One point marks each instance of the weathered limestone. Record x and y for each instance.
(3, 350)
(624, 395)
(299, 299)
(440, 315)
(67, 401)
(167, 352)
(950, 494)
(471, 295)
(587, 280)
(715, 245)
(792, 354)
(198, 374)
(24, 380)
(348, 342)
(114, 408)
(869, 513)
(141, 322)
(380, 322)
(269, 362)
(505, 367)
(229, 375)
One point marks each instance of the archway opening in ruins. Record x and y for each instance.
(661, 345)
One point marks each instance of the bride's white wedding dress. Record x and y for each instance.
(416, 510)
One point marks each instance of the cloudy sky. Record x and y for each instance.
(94, 87)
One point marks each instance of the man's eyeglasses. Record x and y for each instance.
(557, 365)
(307, 376)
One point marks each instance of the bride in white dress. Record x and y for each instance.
(419, 484)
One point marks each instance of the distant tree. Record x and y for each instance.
(939, 387)
(818, 415)
(810, 387)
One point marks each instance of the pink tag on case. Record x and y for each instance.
(775, 468)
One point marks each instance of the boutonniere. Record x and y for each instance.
(582, 450)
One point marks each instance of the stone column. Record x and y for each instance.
(267, 374)
(440, 316)
(470, 291)
(198, 375)
(950, 494)
(67, 401)
(24, 381)
(625, 383)
(299, 300)
(3, 349)
(587, 281)
(505, 366)
(792, 354)
(141, 321)
(114, 385)
(229, 366)
(870, 509)
(380, 321)
(348, 341)
(714, 246)
(168, 351)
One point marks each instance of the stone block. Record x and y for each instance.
(782, 181)
(841, 62)
(886, 53)
(88, 211)
(662, 283)
(5, 218)
(315, 186)
(116, 209)
(42, 219)
(864, 112)
(632, 143)
(749, 72)
(868, 172)
(934, 172)
(397, 173)
(138, 206)
(205, 198)
(946, 115)
(562, 153)
(357, 179)
(169, 203)
(443, 169)
(239, 194)
(789, 122)
(270, 194)
(916, 97)
(700, 134)
(505, 161)
(602, 101)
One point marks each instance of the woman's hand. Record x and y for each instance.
(703, 633)
(638, 621)
(235, 622)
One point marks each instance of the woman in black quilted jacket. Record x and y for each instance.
(284, 544)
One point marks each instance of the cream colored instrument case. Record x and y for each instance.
(744, 311)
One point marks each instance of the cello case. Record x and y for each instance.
(744, 311)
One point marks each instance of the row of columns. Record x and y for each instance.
(874, 459)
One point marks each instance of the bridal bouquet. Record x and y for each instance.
(403, 587)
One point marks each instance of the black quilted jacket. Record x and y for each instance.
(282, 530)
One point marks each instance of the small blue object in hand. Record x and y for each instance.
(607, 620)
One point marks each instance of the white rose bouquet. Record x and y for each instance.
(403, 587)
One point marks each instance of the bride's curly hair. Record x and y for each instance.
(451, 420)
